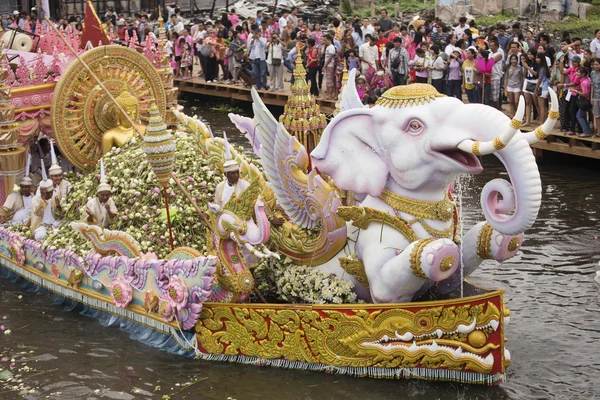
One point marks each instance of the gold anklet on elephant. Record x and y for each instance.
(484, 242)
(415, 257)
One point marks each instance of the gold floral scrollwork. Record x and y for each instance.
(361, 217)
(484, 242)
(355, 268)
(358, 336)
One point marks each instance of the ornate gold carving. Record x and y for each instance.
(435, 210)
(515, 123)
(539, 133)
(415, 257)
(75, 278)
(361, 217)
(353, 335)
(443, 210)
(553, 114)
(355, 268)
(408, 95)
(477, 338)
(498, 145)
(242, 206)
(475, 149)
(514, 243)
(82, 112)
(447, 263)
(484, 242)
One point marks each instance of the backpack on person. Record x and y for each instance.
(395, 64)
(206, 50)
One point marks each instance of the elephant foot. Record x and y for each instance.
(434, 259)
(497, 246)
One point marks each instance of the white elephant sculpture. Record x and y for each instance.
(400, 156)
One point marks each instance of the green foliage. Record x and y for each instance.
(347, 7)
(404, 6)
(579, 27)
(491, 20)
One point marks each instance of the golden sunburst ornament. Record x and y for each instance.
(408, 95)
(82, 111)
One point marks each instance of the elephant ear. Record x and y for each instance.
(349, 152)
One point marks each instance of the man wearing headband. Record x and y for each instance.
(61, 186)
(46, 210)
(101, 211)
(233, 186)
(17, 207)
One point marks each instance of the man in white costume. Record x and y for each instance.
(233, 183)
(17, 207)
(46, 210)
(61, 186)
(101, 211)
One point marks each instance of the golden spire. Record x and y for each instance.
(301, 109)
(338, 103)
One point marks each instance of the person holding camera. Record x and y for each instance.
(257, 56)
(274, 63)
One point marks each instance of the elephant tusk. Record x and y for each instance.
(542, 132)
(484, 148)
(254, 251)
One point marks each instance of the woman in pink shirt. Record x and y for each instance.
(484, 67)
(583, 91)
(317, 35)
(233, 18)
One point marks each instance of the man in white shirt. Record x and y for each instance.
(460, 29)
(17, 207)
(232, 186)
(283, 22)
(176, 25)
(595, 45)
(497, 72)
(45, 211)
(366, 29)
(101, 211)
(61, 187)
(369, 54)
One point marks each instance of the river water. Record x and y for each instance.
(553, 334)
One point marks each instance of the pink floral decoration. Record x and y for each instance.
(17, 247)
(166, 311)
(121, 292)
(177, 293)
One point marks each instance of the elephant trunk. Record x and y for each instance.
(524, 196)
(517, 209)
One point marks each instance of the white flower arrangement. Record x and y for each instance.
(299, 284)
(139, 199)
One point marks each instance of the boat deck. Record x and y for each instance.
(240, 92)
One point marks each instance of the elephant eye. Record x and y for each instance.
(415, 127)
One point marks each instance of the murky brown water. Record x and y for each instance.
(553, 335)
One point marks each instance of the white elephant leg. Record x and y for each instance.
(398, 278)
(482, 243)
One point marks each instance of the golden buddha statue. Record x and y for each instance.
(124, 131)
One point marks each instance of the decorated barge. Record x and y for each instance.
(337, 248)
